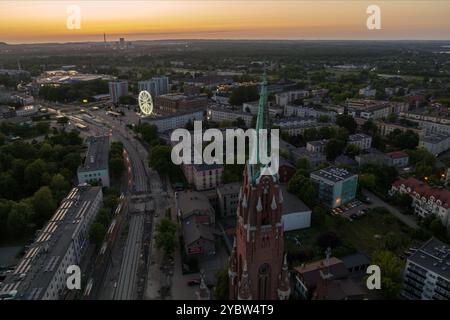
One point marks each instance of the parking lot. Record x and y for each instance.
(351, 210)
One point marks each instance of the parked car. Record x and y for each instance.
(193, 282)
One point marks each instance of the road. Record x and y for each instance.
(377, 202)
(126, 274)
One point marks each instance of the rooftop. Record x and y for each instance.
(434, 138)
(358, 137)
(192, 232)
(318, 143)
(311, 272)
(291, 203)
(97, 154)
(434, 255)
(333, 174)
(229, 188)
(36, 269)
(397, 154)
(424, 190)
(190, 201)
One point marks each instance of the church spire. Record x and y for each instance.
(284, 288)
(262, 122)
(244, 285)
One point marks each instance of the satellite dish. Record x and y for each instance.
(145, 102)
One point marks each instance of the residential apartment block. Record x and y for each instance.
(95, 166)
(335, 186)
(426, 200)
(427, 272)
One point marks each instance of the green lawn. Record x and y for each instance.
(367, 234)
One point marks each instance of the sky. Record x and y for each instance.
(35, 21)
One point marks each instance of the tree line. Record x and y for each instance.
(34, 178)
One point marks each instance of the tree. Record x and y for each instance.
(392, 117)
(97, 232)
(149, 132)
(166, 236)
(222, 285)
(367, 180)
(303, 163)
(404, 140)
(59, 186)
(243, 94)
(18, 218)
(43, 204)
(347, 121)
(334, 148)
(9, 188)
(160, 159)
(33, 174)
(438, 229)
(369, 127)
(116, 161)
(303, 188)
(391, 267)
(353, 150)
(46, 151)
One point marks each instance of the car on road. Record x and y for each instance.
(193, 282)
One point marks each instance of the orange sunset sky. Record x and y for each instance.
(45, 21)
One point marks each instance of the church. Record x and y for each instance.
(257, 264)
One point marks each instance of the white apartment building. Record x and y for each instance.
(203, 176)
(155, 86)
(284, 98)
(318, 146)
(117, 89)
(363, 141)
(174, 120)
(426, 200)
(301, 111)
(218, 114)
(435, 143)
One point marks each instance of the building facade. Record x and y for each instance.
(220, 114)
(174, 121)
(361, 140)
(427, 272)
(335, 186)
(95, 166)
(156, 86)
(436, 143)
(426, 200)
(117, 89)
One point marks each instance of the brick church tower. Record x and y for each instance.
(257, 265)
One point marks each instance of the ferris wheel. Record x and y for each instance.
(145, 102)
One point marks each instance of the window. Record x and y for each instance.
(264, 282)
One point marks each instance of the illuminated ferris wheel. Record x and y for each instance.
(145, 102)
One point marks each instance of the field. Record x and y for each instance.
(378, 229)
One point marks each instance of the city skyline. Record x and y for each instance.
(45, 21)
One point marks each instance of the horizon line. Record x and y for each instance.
(229, 39)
